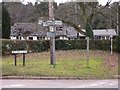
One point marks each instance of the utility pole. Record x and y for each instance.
(51, 29)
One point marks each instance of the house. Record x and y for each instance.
(29, 31)
(102, 34)
(35, 31)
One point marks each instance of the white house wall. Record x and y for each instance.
(13, 38)
(22, 38)
(34, 38)
(63, 38)
(27, 38)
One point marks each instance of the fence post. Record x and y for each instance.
(111, 39)
(15, 58)
(23, 59)
(87, 54)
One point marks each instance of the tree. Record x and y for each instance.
(5, 22)
(119, 19)
(42, 9)
(89, 31)
(85, 14)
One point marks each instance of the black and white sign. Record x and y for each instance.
(19, 52)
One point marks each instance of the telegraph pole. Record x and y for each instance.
(51, 29)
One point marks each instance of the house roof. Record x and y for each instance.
(71, 32)
(38, 30)
(33, 28)
(102, 32)
(105, 32)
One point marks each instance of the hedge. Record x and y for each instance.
(39, 46)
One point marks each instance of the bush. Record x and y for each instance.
(117, 44)
(39, 46)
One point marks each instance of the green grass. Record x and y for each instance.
(68, 64)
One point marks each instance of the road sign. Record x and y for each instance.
(54, 23)
(50, 23)
(50, 34)
(58, 22)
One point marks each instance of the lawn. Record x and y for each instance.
(68, 64)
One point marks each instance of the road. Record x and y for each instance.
(8, 83)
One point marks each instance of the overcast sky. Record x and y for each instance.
(103, 2)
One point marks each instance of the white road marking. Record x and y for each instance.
(111, 84)
(17, 85)
(102, 83)
(93, 84)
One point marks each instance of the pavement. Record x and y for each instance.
(23, 83)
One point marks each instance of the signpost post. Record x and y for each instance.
(51, 23)
(51, 29)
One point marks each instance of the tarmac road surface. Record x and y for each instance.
(10, 83)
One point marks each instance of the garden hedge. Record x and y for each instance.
(39, 46)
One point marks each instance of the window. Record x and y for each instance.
(59, 28)
(30, 38)
(38, 38)
(20, 38)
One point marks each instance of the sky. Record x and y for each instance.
(103, 2)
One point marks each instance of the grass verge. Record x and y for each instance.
(68, 64)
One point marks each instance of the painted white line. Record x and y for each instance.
(102, 83)
(81, 86)
(93, 84)
(17, 85)
(111, 84)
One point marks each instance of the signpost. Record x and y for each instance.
(58, 23)
(19, 52)
(51, 23)
(51, 29)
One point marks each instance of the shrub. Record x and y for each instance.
(117, 44)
